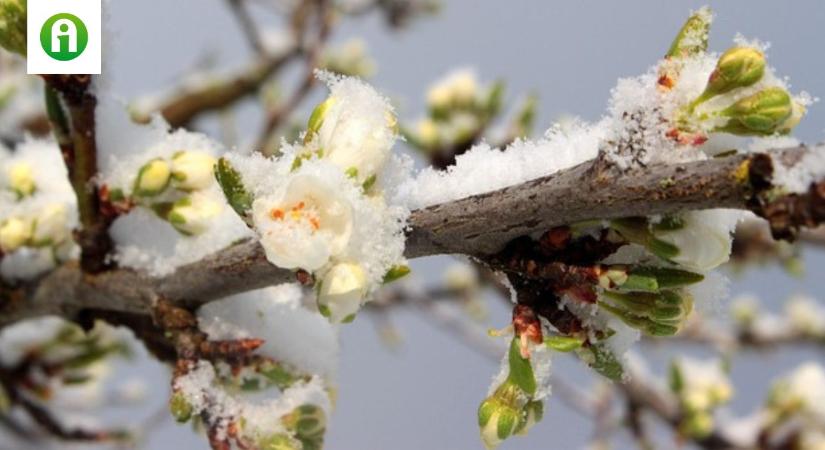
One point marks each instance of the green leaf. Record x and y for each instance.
(521, 372)
(662, 249)
(693, 37)
(563, 343)
(605, 362)
(396, 272)
(640, 282)
(233, 189)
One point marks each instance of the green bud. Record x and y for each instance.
(797, 112)
(13, 26)
(497, 422)
(532, 414)
(737, 67)
(693, 37)
(152, 178)
(761, 114)
(698, 425)
(180, 408)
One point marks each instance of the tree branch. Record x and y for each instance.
(476, 225)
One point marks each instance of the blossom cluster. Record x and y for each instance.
(320, 206)
(37, 210)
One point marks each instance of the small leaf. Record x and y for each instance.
(563, 343)
(233, 189)
(369, 182)
(669, 278)
(396, 272)
(521, 372)
(605, 362)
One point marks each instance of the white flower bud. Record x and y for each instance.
(305, 226)
(704, 242)
(14, 233)
(354, 129)
(341, 292)
(427, 132)
(193, 170)
(51, 225)
(192, 215)
(21, 179)
(461, 277)
(152, 178)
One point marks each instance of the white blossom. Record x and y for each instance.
(305, 226)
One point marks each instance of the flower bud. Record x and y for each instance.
(497, 421)
(737, 67)
(698, 425)
(51, 225)
(350, 59)
(152, 178)
(693, 37)
(532, 414)
(180, 407)
(192, 215)
(427, 133)
(21, 179)
(14, 233)
(341, 292)
(762, 113)
(192, 170)
(13, 26)
(797, 112)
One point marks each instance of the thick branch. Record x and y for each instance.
(475, 226)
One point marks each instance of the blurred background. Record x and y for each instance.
(424, 391)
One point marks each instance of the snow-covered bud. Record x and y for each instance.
(51, 225)
(497, 421)
(152, 178)
(308, 424)
(341, 292)
(14, 233)
(192, 215)
(354, 129)
(13, 26)
(693, 37)
(21, 179)
(737, 67)
(192, 170)
(760, 114)
(305, 226)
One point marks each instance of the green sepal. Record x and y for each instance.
(396, 272)
(640, 283)
(692, 38)
(369, 182)
(521, 372)
(667, 277)
(233, 189)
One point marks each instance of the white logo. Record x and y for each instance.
(63, 36)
